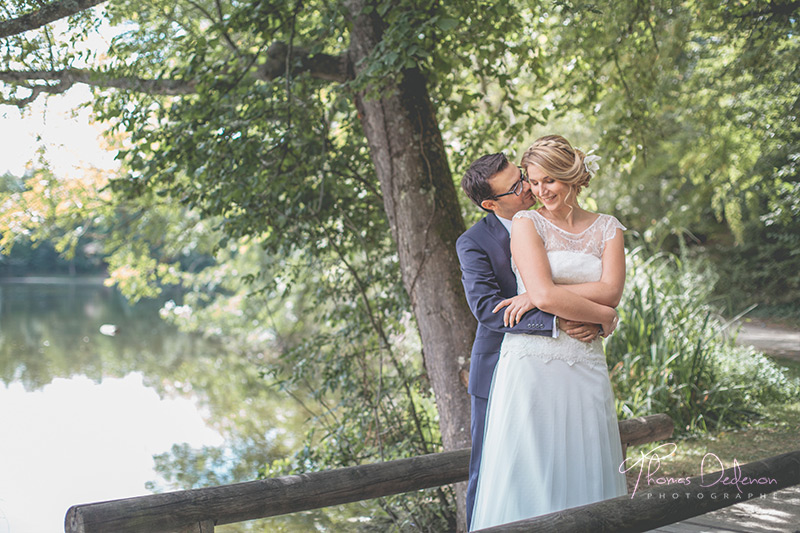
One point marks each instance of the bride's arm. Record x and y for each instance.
(608, 290)
(529, 255)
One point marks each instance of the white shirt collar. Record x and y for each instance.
(506, 223)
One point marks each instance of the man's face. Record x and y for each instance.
(504, 182)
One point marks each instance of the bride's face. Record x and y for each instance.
(552, 193)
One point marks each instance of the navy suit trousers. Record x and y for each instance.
(478, 424)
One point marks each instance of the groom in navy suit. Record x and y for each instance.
(501, 189)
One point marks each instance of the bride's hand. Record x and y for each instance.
(609, 326)
(515, 308)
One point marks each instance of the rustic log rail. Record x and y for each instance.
(199, 510)
(669, 503)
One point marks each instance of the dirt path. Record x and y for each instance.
(774, 340)
(771, 339)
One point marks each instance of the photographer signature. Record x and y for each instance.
(650, 463)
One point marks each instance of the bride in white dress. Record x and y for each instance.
(552, 440)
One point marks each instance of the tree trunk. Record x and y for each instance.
(422, 207)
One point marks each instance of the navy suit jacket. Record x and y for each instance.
(484, 252)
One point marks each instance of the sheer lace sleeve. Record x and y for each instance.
(539, 223)
(610, 226)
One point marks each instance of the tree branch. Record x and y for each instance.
(47, 14)
(36, 90)
(322, 66)
(220, 22)
(68, 77)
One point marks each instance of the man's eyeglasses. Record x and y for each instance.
(517, 189)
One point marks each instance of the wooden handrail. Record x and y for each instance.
(645, 429)
(669, 503)
(269, 497)
(201, 509)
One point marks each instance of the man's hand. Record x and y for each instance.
(579, 330)
(515, 308)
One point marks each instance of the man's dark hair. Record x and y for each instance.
(476, 180)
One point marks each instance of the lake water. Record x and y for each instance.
(82, 412)
(101, 400)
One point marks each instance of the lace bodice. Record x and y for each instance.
(574, 258)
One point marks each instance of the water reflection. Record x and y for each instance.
(75, 441)
(53, 330)
(68, 389)
(94, 407)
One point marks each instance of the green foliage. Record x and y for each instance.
(41, 232)
(327, 330)
(695, 104)
(41, 259)
(764, 266)
(144, 243)
(673, 353)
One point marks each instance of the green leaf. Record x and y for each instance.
(446, 23)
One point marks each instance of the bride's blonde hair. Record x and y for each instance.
(560, 161)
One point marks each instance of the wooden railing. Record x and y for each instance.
(199, 510)
(669, 503)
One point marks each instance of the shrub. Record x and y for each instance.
(674, 353)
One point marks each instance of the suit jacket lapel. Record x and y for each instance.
(499, 233)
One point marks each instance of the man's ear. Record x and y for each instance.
(491, 205)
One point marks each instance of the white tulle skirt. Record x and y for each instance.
(552, 439)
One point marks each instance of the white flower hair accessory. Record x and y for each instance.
(590, 163)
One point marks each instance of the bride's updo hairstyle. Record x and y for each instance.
(559, 160)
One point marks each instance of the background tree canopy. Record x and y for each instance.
(310, 152)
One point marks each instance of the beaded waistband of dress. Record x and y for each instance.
(564, 348)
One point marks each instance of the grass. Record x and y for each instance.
(778, 432)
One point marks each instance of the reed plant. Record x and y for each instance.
(674, 353)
